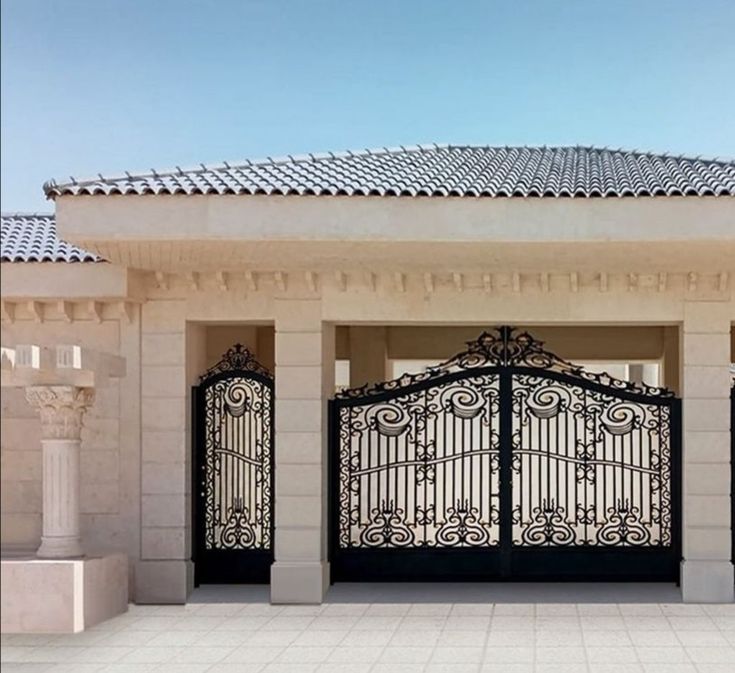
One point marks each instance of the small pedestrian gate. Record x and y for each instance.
(233, 471)
(505, 462)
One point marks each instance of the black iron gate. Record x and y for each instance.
(505, 462)
(233, 471)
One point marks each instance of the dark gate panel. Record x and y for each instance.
(505, 462)
(233, 479)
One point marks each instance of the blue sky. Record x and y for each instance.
(93, 86)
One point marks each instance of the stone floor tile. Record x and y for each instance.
(343, 667)
(572, 655)
(682, 609)
(127, 638)
(560, 668)
(153, 623)
(655, 655)
(388, 609)
(302, 610)
(242, 667)
(511, 638)
(556, 609)
(180, 667)
(363, 655)
(669, 668)
(290, 667)
(27, 639)
(448, 655)
(368, 638)
(640, 609)
(599, 667)
(202, 655)
(490, 667)
(345, 609)
(724, 622)
(465, 667)
(377, 623)
(312, 638)
(307, 655)
(565, 622)
(646, 623)
(696, 623)
(173, 638)
(609, 623)
(405, 655)
(611, 655)
(14, 654)
(610, 638)
(197, 623)
(26, 667)
(283, 623)
(247, 654)
(511, 623)
(237, 638)
(472, 609)
(514, 609)
(567, 638)
(97, 655)
(654, 638)
(509, 655)
(701, 638)
(152, 655)
(394, 667)
(261, 610)
(337, 623)
(459, 638)
(599, 609)
(715, 668)
(720, 609)
(81, 668)
(220, 609)
(467, 622)
(406, 638)
(83, 639)
(422, 623)
(712, 655)
(430, 609)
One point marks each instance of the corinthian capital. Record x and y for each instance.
(61, 409)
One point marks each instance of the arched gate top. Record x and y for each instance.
(505, 347)
(237, 359)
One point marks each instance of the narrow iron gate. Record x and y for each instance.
(505, 462)
(233, 471)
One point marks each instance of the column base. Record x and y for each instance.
(164, 582)
(297, 582)
(707, 582)
(60, 548)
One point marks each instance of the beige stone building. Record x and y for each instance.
(336, 271)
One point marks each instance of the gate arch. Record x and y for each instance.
(505, 462)
(233, 471)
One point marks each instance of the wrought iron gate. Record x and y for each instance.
(233, 472)
(505, 462)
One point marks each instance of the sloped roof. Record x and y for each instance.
(32, 238)
(436, 170)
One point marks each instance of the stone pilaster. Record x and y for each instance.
(61, 409)
(304, 382)
(707, 572)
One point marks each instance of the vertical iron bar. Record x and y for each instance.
(506, 457)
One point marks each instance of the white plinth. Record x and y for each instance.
(62, 596)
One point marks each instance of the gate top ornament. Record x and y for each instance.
(236, 359)
(505, 347)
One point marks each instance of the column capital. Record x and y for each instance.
(61, 409)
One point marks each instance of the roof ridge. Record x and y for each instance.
(24, 213)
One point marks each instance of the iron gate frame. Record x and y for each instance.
(228, 566)
(507, 562)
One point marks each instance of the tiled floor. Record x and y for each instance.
(393, 638)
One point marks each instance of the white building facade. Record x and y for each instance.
(610, 259)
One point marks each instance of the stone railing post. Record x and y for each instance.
(61, 409)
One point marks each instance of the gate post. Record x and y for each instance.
(304, 383)
(707, 571)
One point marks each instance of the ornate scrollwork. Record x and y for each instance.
(624, 526)
(387, 527)
(504, 347)
(463, 527)
(237, 359)
(549, 527)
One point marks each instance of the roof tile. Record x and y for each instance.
(32, 238)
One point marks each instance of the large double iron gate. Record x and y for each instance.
(505, 462)
(233, 475)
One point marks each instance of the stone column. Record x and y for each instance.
(707, 572)
(368, 355)
(61, 409)
(304, 382)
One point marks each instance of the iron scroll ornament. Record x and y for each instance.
(236, 359)
(505, 347)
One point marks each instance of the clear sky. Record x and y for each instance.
(92, 86)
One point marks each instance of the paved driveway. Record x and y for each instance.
(393, 638)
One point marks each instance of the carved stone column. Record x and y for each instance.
(61, 409)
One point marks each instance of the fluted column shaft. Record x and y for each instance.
(61, 409)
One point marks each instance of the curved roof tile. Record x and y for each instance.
(576, 172)
(32, 238)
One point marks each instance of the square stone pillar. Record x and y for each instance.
(304, 354)
(707, 572)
